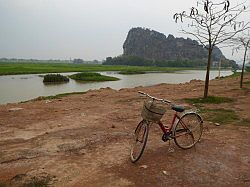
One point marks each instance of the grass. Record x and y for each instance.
(2, 184)
(89, 77)
(222, 116)
(247, 82)
(209, 99)
(235, 74)
(58, 96)
(245, 121)
(38, 182)
(36, 68)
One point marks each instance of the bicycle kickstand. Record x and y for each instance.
(170, 149)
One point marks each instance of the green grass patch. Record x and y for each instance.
(247, 82)
(55, 78)
(58, 96)
(36, 68)
(92, 77)
(235, 74)
(222, 116)
(209, 99)
(130, 72)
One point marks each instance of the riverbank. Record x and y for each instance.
(84, 139)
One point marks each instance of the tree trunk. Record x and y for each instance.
(208, 72)
(243, 67)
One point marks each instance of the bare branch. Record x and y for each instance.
(212, 24)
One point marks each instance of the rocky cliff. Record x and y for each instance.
(151, 44)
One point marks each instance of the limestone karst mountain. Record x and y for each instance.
(151, 44)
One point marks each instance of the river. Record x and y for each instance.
(17, 88)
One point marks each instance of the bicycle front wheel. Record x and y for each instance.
(188, 130)
(140, 140)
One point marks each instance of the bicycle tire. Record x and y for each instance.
(140, 138)
(188, 130)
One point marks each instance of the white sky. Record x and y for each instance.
(87, 29)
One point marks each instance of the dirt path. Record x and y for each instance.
(84, 140)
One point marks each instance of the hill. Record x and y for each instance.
(145, 47)
(151, 44)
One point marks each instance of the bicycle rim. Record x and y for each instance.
(188, 130)
(139, 142)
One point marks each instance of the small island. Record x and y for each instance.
(55, 78)
(92, 77)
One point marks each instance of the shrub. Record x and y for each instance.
(55, 78)
(88, 77)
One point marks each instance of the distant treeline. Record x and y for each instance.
(74, 61)
(138, 61)
(16, 60)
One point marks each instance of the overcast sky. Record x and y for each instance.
(87, 29)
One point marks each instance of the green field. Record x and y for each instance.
(36, 68)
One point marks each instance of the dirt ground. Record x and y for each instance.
(84, 140)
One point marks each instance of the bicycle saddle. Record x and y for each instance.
(178, 108)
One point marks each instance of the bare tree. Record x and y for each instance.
(240, 42)
(213, 23)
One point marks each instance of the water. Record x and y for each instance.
(17, 88)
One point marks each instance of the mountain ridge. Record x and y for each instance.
(151, 44)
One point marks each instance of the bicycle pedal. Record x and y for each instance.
(166, 137)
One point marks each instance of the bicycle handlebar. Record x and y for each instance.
(154, 98)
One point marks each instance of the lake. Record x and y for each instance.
(17, 88)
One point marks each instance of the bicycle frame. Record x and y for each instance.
(167, 130)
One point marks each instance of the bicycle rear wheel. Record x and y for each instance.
(140, 140)
(188, 130)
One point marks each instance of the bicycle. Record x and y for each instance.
(185, 129)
